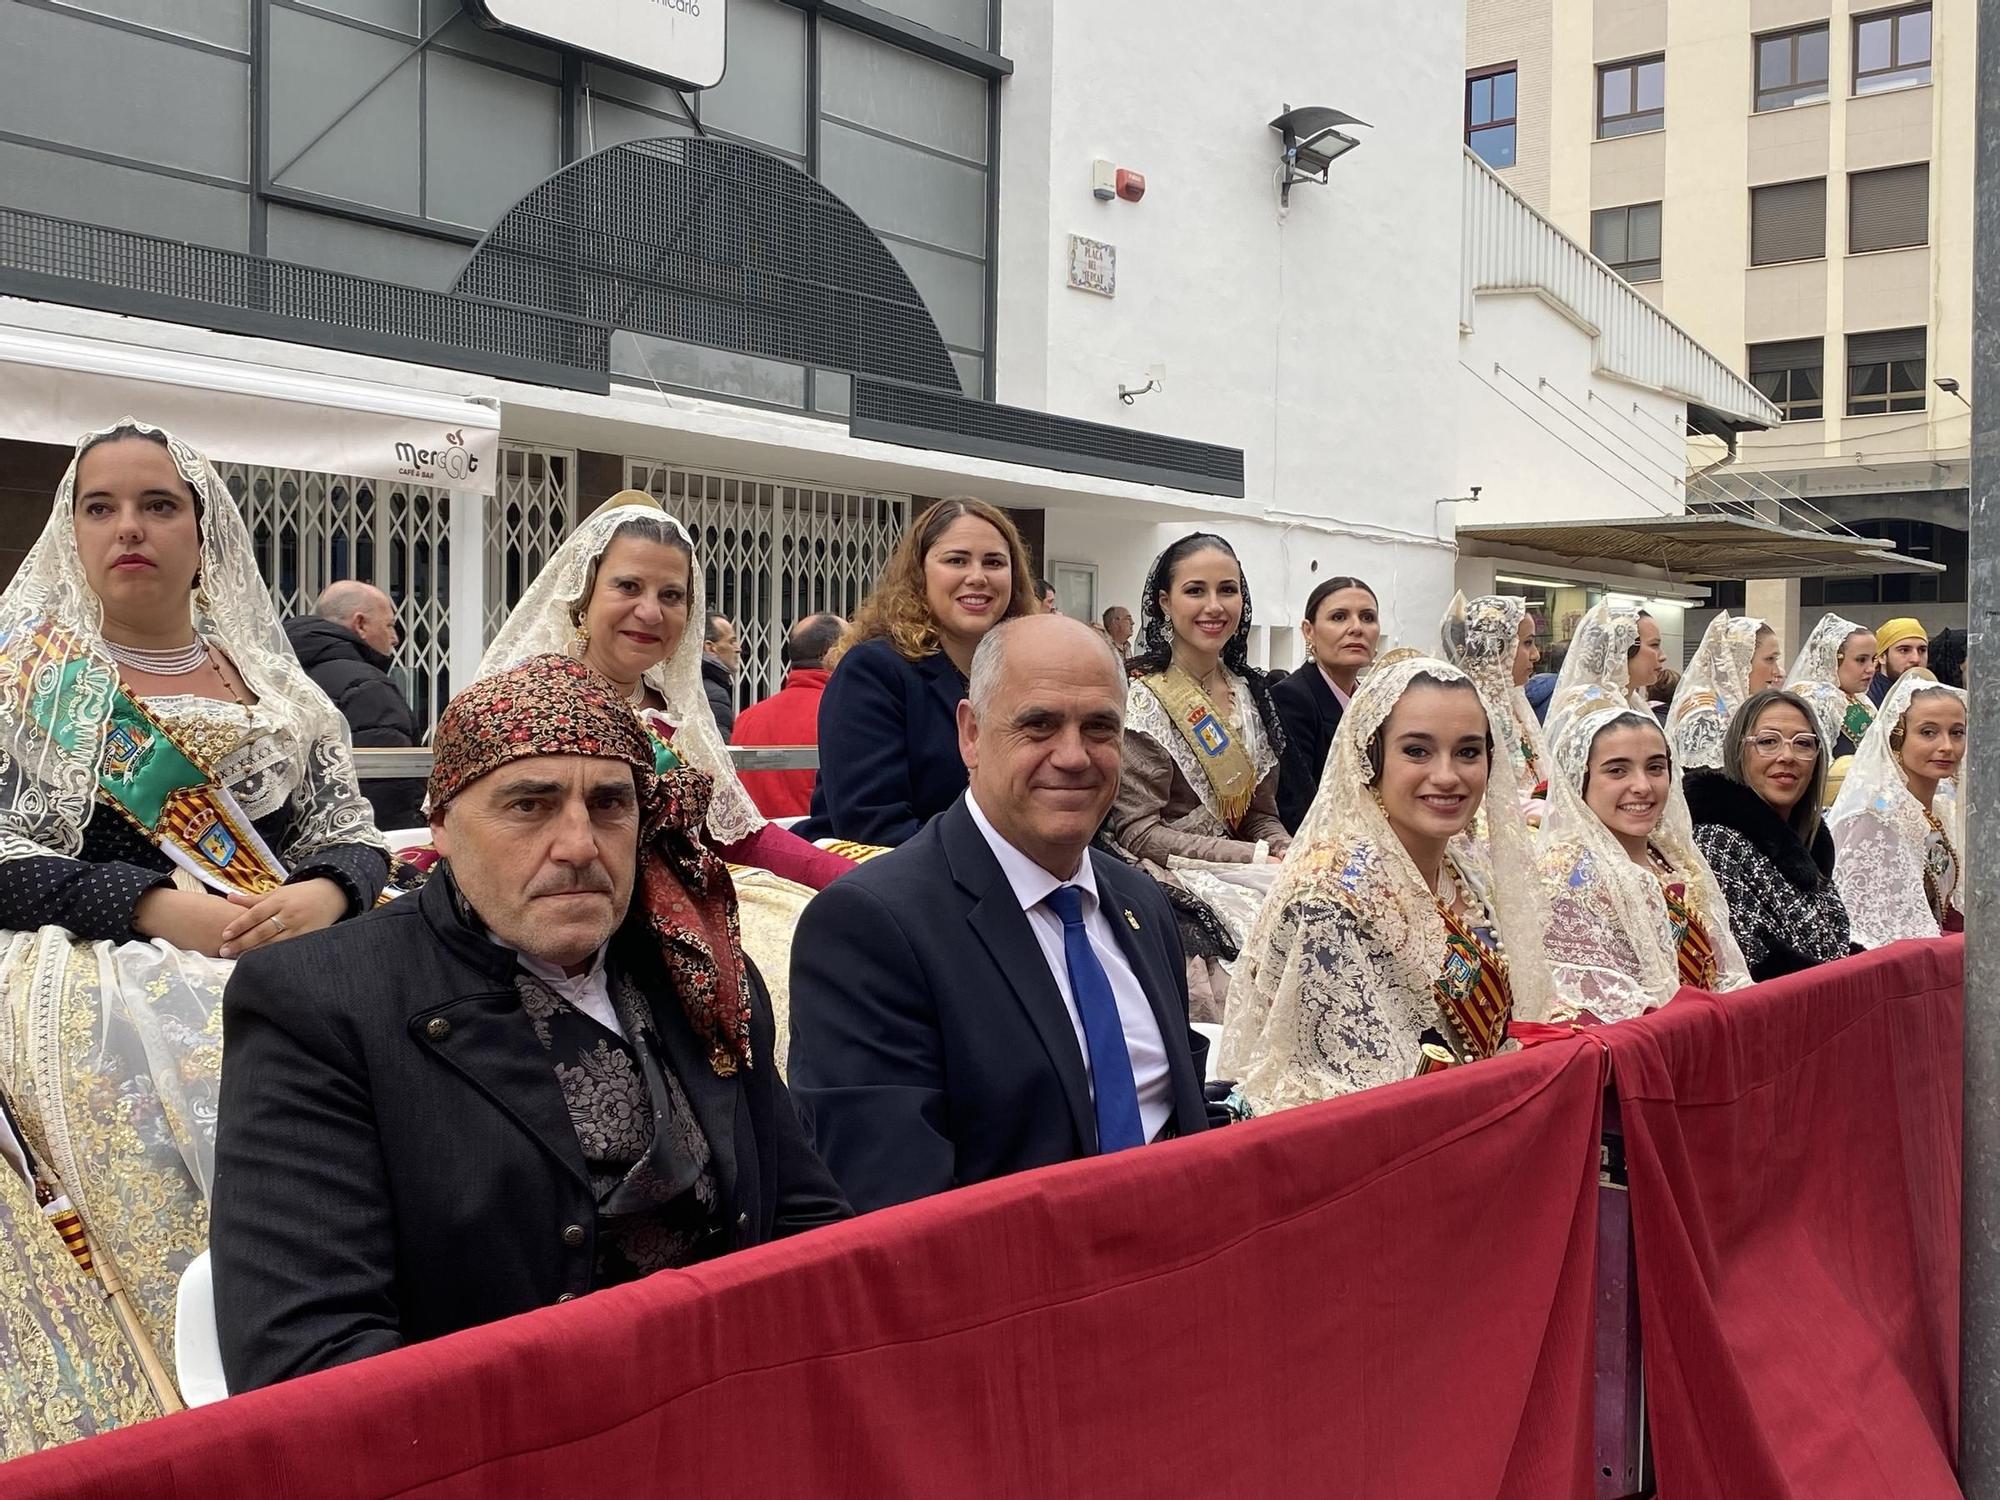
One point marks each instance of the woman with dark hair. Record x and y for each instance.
(1757, 822)
(1403, 934)
(888, 719)
(1342, 627)
(1200, 775)
(174, 792)
(1947, 658)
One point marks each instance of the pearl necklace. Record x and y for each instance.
(178, 661)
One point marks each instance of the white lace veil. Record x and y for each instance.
(1815, 674)
(542, 622)
(1879, 829)
(1480, 638)
(1608, 940)
(1339, 972)
(1596, 671)
(48, 773)
(1716, 685)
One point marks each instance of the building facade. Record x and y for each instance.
(1793, 184)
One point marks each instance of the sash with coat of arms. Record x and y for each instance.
(154, 781)
(1231, 774)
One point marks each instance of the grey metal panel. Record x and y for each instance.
(871, 83)
(341, 243)
(708, 242)
(947, 423)
(762, 96)
(902, 190)
(489, 137)
(319, 69)
(222, 23)
(55, 182)
(67, 78)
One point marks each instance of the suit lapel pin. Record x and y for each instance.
(1130, 920)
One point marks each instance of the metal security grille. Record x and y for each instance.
(773, 551)
(533, 509)
(711, 243)
(309, 529)
(139, 272)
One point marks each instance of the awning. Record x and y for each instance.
(55, 386)
(1704, 547)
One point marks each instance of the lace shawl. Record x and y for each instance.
(1717, 683)
(1337, 984)
(48, 774)
(1480, 639)
(1144, 714)
(541, 623)
(1595, 673)
(1609, 941)
(1880, 833)
(1815, 675)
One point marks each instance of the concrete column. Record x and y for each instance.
(1775, 601)
(466, 605)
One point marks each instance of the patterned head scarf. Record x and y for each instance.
(555, 705)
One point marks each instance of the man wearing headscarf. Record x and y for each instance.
(547, 1072)
(1900, 644)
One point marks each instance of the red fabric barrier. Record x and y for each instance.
(1793, 1152)
(1388, 1295)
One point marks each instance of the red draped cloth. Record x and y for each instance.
(1386, 1295)
(1793, 1152)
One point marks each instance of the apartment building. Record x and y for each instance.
(1791, 181)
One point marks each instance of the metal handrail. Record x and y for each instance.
(374, 763)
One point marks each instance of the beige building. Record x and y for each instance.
(1791, 181)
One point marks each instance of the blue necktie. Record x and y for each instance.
(1103, 1033)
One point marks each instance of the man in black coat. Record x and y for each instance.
(520, 1084)
(721, 658)
(995, 995)
(345, 645)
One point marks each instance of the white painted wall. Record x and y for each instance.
(1545, 436)
(1323, 341)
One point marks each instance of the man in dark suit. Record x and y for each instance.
(995, 995)
(520, 1084)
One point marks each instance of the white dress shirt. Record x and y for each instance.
(1031, 885)
(589, 992)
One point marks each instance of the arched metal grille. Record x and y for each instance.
(711, 243)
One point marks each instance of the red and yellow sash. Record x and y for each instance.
(1472, 990)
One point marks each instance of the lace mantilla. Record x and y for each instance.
(542, 623)
(1339, 975)
(48, 773)
(1596, 673)
(1480, 639)
(1883, 839)
(1716, 684)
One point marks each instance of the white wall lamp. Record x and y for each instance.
(1312, 144)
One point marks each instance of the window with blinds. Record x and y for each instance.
(1889, 208)
(1885, 371)
(1793, 374)
(1628, 240)
(1788, 222)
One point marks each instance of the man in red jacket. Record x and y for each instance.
(790, 716)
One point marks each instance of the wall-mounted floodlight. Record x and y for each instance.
(1312, 143)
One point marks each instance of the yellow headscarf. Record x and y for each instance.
(1892, 631)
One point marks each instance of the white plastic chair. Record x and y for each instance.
(197, 1348)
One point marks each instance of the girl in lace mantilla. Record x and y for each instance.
(1898, 824)
(174, 791)
(1833, 673)
(1737, 658)
(1492, 640)
(1387, 946)
(1634, 912)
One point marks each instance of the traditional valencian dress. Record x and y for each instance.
(110, 1045)
(1898, 864)
(1623, 938)
(1716, 684)
(1843, 717)
(1197, 792)
(775, 872)
(1358, 973)
(1480, 639)
(1595, 674)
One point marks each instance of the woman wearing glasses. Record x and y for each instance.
(1757, 822)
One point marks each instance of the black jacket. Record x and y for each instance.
(1310, 713)
(356, 677)
(1784, 908)
(888, 745)
(720, 685)
(930, 1045)
(395, 1160)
